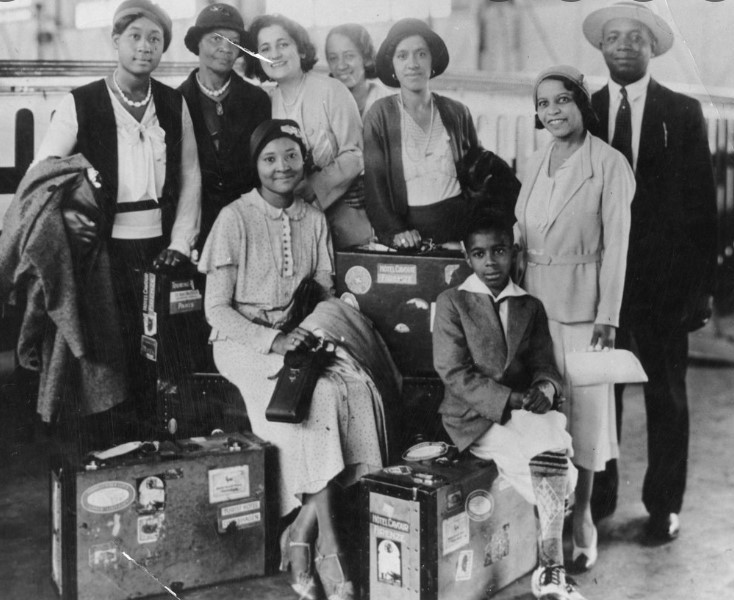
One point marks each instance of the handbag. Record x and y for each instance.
(613, 366)
(297, 379)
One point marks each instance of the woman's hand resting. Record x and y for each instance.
(602, 338)
(407, 239)
(296, 339)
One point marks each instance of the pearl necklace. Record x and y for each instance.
(127, 100)
(211, 92)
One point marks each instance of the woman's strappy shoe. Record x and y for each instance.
(333, 580)
(296, 556)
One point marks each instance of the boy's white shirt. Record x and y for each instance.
(474, 285)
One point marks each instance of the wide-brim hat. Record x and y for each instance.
(566, 72)
(398, 32)
(149, 10)
(215, 16)
(593, 26)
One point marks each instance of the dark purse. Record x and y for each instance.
(297, 379)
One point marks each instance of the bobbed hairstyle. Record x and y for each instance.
(306, 49)
(581, 98)
(360, 37)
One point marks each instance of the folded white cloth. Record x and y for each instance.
(607, 366)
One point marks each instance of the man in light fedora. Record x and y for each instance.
(672, 250)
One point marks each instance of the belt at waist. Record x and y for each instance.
(562, 259)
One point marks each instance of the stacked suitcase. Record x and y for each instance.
(443, 530)
(190, 514)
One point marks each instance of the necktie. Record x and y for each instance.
(496, 306)
(623, 128)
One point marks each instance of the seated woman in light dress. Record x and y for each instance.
(261, 248)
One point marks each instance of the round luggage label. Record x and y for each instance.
(107, 497)
(479, 505)
(358, 280)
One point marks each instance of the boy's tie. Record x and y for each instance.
(496, 306)
(623, 128)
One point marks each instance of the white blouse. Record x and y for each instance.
(141, 153)
(428, 162)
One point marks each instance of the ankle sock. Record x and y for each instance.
(549, 474)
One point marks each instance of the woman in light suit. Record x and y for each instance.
(573, 215)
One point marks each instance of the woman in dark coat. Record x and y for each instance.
(225, 110)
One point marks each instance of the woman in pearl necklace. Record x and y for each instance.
(138, 134)
(225, 110)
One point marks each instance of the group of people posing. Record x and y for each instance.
(614, 226)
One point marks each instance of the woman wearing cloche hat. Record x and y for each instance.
(573, 215)
(137, 133)
(225, 110)
(414, 141)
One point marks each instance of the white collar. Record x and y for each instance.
(634, 90)
(295, 211)
(475, 285)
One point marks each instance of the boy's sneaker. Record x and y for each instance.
(549, 583)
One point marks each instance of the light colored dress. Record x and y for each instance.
(255, 257)
(583, 287)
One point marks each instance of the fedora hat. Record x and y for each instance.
(594, 24)
(398, 32)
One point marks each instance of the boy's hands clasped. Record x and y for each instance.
(538, 399)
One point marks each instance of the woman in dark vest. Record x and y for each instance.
(138, 134)
(225, 110)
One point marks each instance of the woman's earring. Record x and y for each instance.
(394, 76)
(433, 72)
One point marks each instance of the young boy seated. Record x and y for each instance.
(492, 349)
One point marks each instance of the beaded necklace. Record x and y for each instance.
(127, 100)
(211, 92)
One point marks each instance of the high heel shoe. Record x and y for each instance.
(304, 585)
(585, 558)
(330, 570)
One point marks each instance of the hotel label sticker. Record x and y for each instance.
(150, 528)
(389, 523)
(464, 565)
(389, 562)
(103, 555)
(230, 483)
(397, 274)
(149, 347)
(455, 532)
(239, 521)
(107, 497)
(358, 280)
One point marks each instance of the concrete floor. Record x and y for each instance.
(698, 566)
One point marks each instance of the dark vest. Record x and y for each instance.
(97, 141)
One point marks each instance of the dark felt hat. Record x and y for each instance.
(215, 16)
(149, 10)
(272, 129)
(398, 32)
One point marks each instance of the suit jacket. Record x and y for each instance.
(478, 369)
(386, 194)
(672, 251)
(592, 221)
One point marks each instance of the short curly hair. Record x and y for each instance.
(299, 34)
(360, 37)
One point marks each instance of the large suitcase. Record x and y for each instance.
(451, 531)
(397, 291)
(192, 514)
